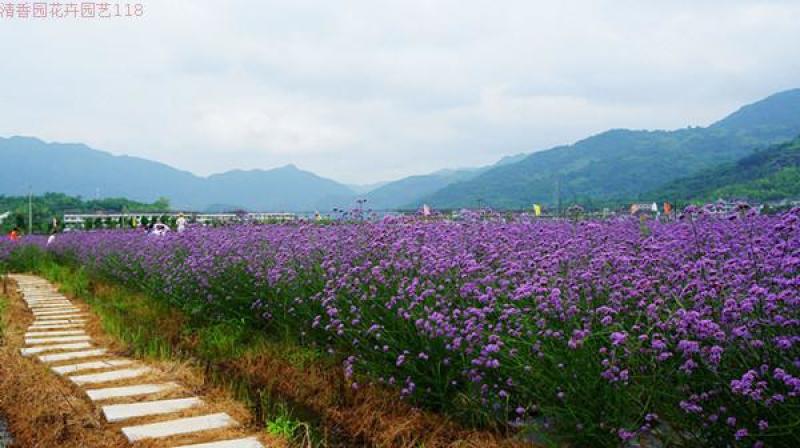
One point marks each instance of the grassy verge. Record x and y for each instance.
(293, 391)
(153, 331)
(41, 409)
(3, 301)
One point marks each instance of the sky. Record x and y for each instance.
(372, 90)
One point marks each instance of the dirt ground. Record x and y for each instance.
(43, 410)
(55, 413)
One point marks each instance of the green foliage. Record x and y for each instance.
(152, 329)
(224, 340)
(622, 164)
(283, 425)
(783, 184)
(769, 174)
(280, 421)
(54, 205)
(26, 258)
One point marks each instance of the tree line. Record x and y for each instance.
(51, 206)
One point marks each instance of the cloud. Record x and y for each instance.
(362, 91)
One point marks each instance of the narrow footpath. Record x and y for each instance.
(5, 436)
(141, 401)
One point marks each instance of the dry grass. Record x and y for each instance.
(42, 410)
(372, 415)
(45, 410)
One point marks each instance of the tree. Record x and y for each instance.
(48, 205)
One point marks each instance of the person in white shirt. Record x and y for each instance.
(181, 223)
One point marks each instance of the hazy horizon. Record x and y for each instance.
(375, 91)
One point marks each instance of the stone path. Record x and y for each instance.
(57, 338)
(5, 436)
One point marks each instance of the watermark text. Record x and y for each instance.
(22, 10)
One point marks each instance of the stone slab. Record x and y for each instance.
(128, 391)
(72, 368)
(119, 412)
(57, 306)
(57, 321)
(73, 355)
(57, 311)
(49, 348)
(56, 326)
(39, 316)
(50, 312)
(51, 323)
(40, 334)
(247, 442)
(114, 375)
(70, 316)
(179, 426)
(57, 339)
(48, 305)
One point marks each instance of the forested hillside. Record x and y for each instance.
(621, 164)
(769, 174)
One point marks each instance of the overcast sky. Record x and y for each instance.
(363, 91)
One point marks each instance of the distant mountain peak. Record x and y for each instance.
(620, 163)
(775, 110)
(613, 164)
(22, 138)
(77, 169)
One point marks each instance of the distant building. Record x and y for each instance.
(727, 207)
(78, 220)
(642, 209)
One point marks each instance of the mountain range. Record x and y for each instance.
(770, 174)
(622, 164)
(618, 164)
(78, 170)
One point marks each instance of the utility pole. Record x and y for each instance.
(30, 210)
(558, 193)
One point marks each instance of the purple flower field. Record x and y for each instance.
(596, 331)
